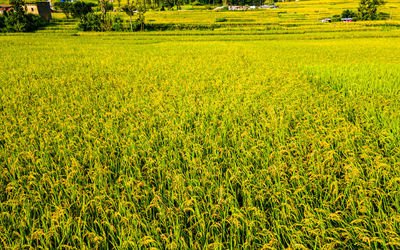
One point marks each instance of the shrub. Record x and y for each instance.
(118, 24)
(221, 20)
(34, 22)
(349, 14)
(368, 9)
(80, 9)
(15, 22)
(2, 23)
(109, 6)
(90, 22)
(336, 18)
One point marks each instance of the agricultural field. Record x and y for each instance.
(195, 140)
(269, 132)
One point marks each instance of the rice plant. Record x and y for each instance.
(212, 141)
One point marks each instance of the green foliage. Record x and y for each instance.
(118, 24)
(91, 22)
(18, 7)
(109, 6)
(99, 22)
(349, 14)
(2, 23)
(65, 7)
(168, 4)
(368, 9)
(18, 21)
(75, 9)
(80, 9)
(336, 18)
(130, 9)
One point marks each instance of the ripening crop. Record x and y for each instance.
(215, 142)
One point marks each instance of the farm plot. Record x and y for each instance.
(127, 141)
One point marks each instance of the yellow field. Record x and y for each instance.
(271, 131)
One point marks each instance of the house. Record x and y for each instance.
(248, 7)
(326, 20)
(268, 7)
(5, 8)
(220, 8)
(40, 8)
(237, 8)
(347, 20)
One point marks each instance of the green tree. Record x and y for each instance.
(368, 9)
(169, 4)
(348, 14)
(103, 7)
(16, 21)
(141, 10)
(80, 9)
(19, 7)
(130, 10)
(65, 7)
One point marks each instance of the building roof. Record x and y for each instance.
(5, 6)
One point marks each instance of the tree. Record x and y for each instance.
(141, 10)
(178, 4)
(368, 9)
(16, 21)
(169, 4)
(65, 7)
(130, 10)
(349, 14)
(18, 7)
(103, 7)
(80, 9)
(19, 21)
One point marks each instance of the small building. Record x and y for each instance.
(326, 20)
(268, 7)
(347, 20)
(220, 8)
(40, 8)
(5, 8)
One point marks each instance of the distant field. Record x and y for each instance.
(301, 11)
(178, 139)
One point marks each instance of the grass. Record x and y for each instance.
(177, 141)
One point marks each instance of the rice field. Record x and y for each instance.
(199, 141)
(274, 131)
